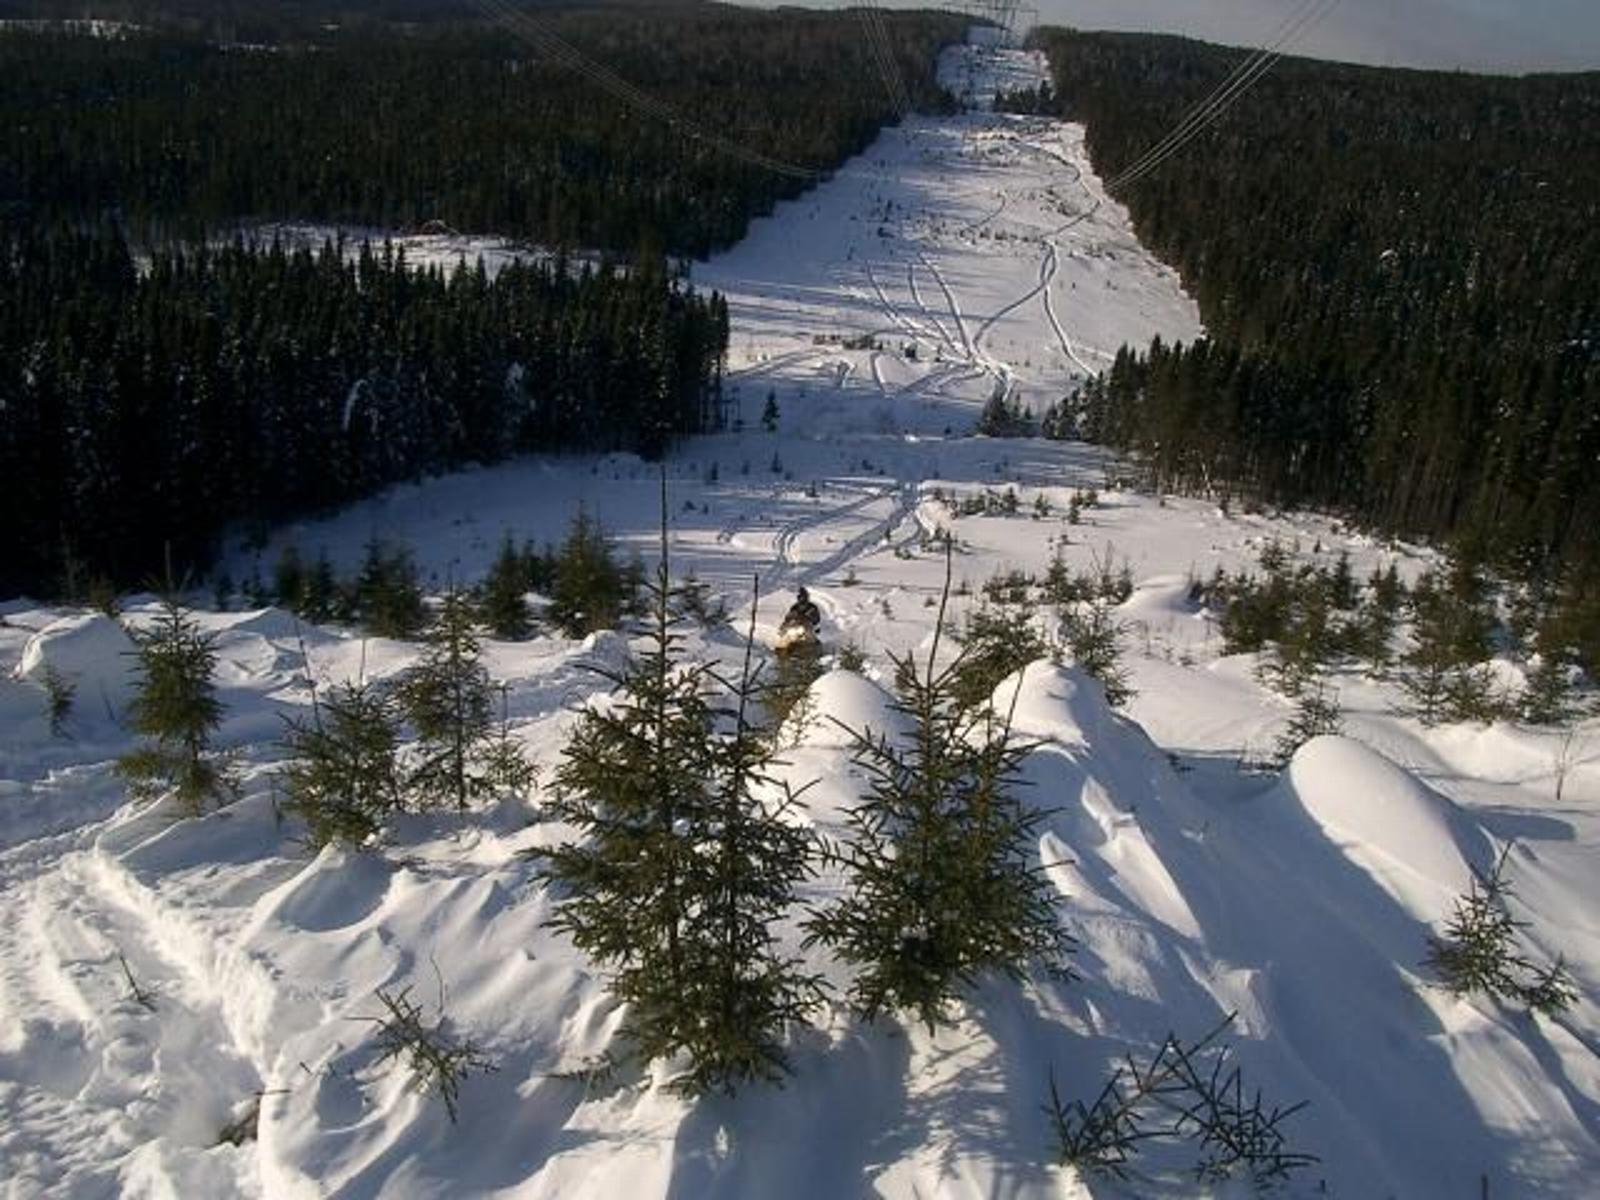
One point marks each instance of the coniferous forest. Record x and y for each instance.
(1398, 273)
(165, 375)
(149, 404)
(459, 122)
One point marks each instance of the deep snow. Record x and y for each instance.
(1301, 901)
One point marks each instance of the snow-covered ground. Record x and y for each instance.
(1300, 901)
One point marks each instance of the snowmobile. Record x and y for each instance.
(798, 634)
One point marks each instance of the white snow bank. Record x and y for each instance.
(1413, 841)
(842, 704)
(91, 652)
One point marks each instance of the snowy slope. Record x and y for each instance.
(1301, 901)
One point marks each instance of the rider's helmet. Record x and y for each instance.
(801, 596)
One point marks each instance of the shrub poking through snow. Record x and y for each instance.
(176, 710)
(1478, 952)
(144, 997)
(1093, 637)
(59, 693)
(939, 887)
(686, 861)
(1317, 714)
(344, 777)
(1184, 1093)
(852, 658)
(786, 698)
(694, 601)
(438, 1060)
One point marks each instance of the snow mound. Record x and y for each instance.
(1058, 704)
(1112, 797)
(93, 653)
(844, 703)
(1413, 841)
(606, 651)
(1161, 596)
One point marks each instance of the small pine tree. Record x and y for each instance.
(1451, 624)
(939, 889)
(175, 708)
(1306, 644)
(752, 860)
(1341, 584)
(344, 775)
(447, 699)
(769, 413)
(1377, 618)
(506, 771)
(997, 641)
(1317, 715)
(1478, 952)
(680, 872)
(592, 591)
(386, 592)
(505, 595)
(289, 578)
(319, 597)
(1093, 637)
(1548, 698)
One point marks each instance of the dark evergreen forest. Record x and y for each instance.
(154, 402)
(459, 123)
(164, 377)
(1400, 276)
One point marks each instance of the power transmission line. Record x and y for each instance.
(1226, 94)
(883, 52)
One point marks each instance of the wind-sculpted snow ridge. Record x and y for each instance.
(160, 977)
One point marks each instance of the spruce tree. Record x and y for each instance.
(386, 592)
(752, 858)
(1444, 676)
(997, 641)
(344, 777)
(1377, 618)
(505, 600)
(1317, 714)
(1093, 636)
(447, 699)
(681, 870)
(592, 591)
(1548, 697)
(175, 708)
(939, 887)
(289, 578)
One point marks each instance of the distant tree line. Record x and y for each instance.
(381, 124)
(150, 404)
(1397, 271)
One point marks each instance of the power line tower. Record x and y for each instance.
(1010, 17)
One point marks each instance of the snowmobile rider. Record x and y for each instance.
(804, 613)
